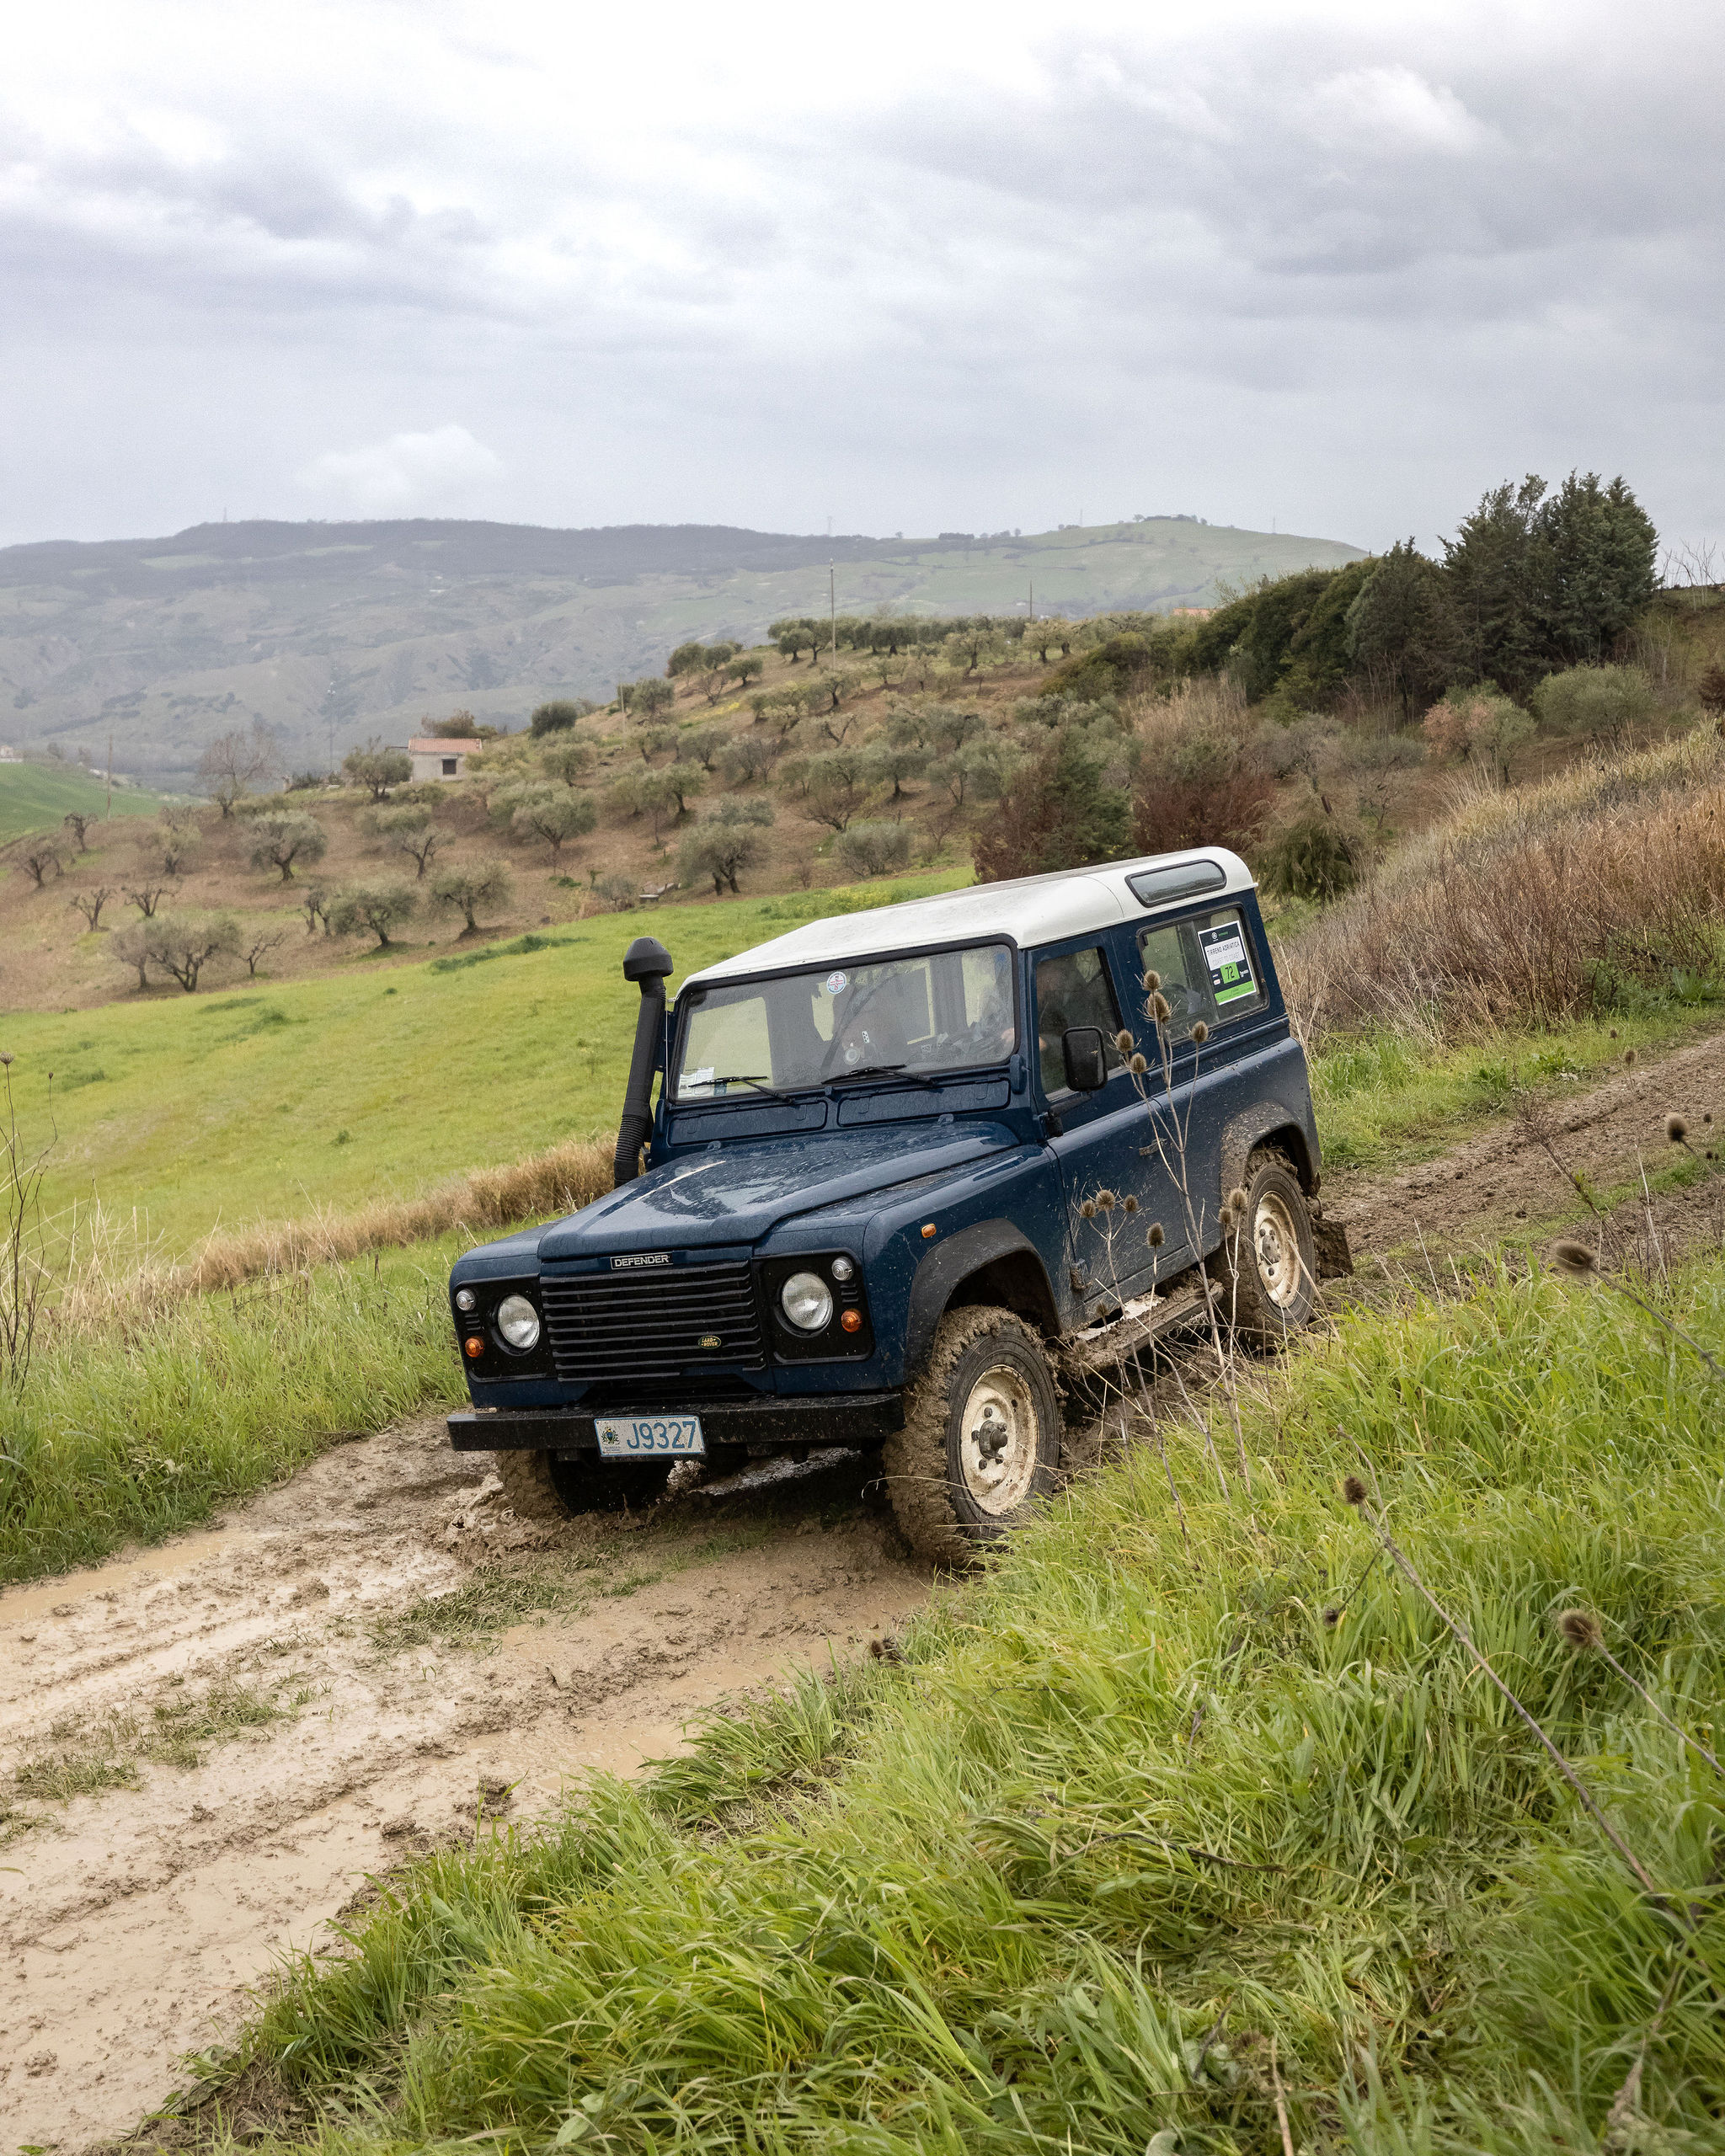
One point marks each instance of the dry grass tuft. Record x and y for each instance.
(1519, 907)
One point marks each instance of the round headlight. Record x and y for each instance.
(518, 1321)
(806, 1301)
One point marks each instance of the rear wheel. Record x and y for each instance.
(1267, 1265)
(981, 1438)
(539, 1486)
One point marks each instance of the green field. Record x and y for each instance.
(222, 1109)
(34, 796)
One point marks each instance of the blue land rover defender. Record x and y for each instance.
(910, 1174)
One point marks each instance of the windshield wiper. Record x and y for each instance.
(865, 1070)
(757, 1079)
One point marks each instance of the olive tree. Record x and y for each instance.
(90, 903)
(78, 823)
(39, 857)
(373, 909)
(555, 819)
(870, 849)
(178, 833)
(559, 715)
(183, 944)
(281, 840)
(725, 843)
(411, 831)
(146, 896)
(484, 884)
(377, 767)
(131, 946)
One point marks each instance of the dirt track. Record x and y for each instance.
(138, 1917)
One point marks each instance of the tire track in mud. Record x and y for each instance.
(133, 1920)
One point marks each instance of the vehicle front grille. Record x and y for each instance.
(628, 1325)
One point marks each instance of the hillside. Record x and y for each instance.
(330, 633)
(34, 796)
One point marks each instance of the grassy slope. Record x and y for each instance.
(1140, 1834)
(34, 796)
(278, 1100)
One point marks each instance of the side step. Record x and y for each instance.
(1134, 1326)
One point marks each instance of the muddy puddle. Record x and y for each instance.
(206, 1748)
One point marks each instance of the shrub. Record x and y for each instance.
(1203, 778)
(1710, 689)
(1060, 811)
(1483, 724)
(373, 909)
(1313, 858)
(1607, 703)
(619, 894)
(871, 849)
(558, 716)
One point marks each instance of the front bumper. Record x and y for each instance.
(850, 1418)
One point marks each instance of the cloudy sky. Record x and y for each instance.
(910, 267)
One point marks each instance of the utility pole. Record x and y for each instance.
(1033, 599)
(108, 809)
(832, 604)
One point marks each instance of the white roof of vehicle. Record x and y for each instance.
(1027, 911)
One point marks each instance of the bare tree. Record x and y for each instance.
(146, 896)
(131, 946)
(77, 823)
(234, 764)
(39, 857)
(90, 904)
(255, 943)
(24, 1276)
(315, 906)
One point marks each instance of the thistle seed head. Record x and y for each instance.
(1152, 981)
(1572, 1258)
(1581, 1629)
(1676, 1130)
(1129, 1203)
(1124, 1042)
(5, 1060)
(1154, 1237)
(1105, 1201)
(1138, 1066)
(1200, 1031)
(1086, 1208)
(1353, 1489)
(1236, 1200)
(1630, 1058)
(1161, 1009)
(1332, 1617)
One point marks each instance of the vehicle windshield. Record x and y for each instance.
(942, 1010)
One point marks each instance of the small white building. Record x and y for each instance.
(434, 758)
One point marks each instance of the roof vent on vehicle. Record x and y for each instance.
(1176, 879)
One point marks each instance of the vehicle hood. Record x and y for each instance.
(736, 1193)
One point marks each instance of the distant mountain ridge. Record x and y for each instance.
(329, 633)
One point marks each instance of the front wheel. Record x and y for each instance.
(982, 1438)
(539, 1486)
(1267, 1265)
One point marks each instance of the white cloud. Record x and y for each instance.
(1392, 108)
(408, 473)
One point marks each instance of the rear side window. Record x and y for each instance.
(1073, 990)
(1209, 969)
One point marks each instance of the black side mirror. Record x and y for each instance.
(1087, 1063)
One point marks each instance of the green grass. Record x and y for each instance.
(271, 1101)
(1384, 1099)
(1170, 1812)
(34, 796)
(143, 1428)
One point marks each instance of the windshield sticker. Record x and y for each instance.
(1229, 967)
(835, 984)
(697, 1082)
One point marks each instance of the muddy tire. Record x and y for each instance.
(539, 1486)
(1267, 1267)
(982, 1438)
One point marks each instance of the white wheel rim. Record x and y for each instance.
(1275, 1243)
(997, 1448)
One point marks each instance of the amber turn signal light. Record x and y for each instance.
(928, 1231)
(852, 1320)
(473, 1345)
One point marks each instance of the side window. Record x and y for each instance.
(1073, 989)
(1208, 968)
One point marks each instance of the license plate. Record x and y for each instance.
(650, 1437)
